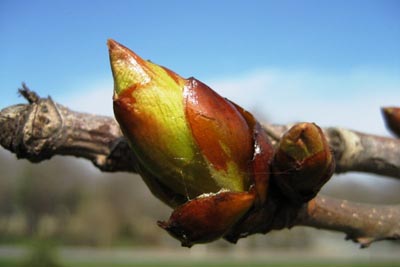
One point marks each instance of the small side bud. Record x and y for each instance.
(391, 115)
(207, 217)
(303, 162)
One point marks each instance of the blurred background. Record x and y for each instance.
(331, 62)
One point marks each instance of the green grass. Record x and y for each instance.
(16, 263)
(231, 264)
(8, 262)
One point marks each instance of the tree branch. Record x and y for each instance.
(41, 129)
(362, 223)
(355, 151)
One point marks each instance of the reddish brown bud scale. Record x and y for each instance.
(391, 116)
(220, 131)
(263, 152)
(261, 164)
(208, 217)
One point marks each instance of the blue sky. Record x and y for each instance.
(288, 60)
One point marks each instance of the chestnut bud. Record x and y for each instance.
(190, 143)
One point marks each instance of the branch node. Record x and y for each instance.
(31, 96)
(349, 143)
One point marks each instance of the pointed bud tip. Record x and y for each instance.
(117, 50)
(391, 116)
(111, 43)
(114, 46)
(127, 67)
